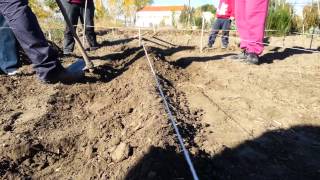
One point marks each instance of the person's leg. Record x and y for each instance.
(256, 17)
(241, 21)
(215, 30)
(26, 29)
(90, 33)
(225, 32)
(73, 12)
(8, 51)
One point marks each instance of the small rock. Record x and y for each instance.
(194, 151)
(120, 153)
(115, 141)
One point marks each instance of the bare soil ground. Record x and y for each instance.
(238, 121)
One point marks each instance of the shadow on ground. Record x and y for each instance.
(116, 42)
(187, 61)
(275, 54)
(286, 154)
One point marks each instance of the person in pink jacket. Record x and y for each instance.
(250, 18)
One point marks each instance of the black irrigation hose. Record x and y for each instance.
(172, 119)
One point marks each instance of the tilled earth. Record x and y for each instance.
(238, 121)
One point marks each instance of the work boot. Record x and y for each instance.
(242, 56)
(252, 58)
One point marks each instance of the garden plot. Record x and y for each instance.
(238, 121)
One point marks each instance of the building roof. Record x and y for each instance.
(163, 8)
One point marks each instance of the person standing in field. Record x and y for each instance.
(224, 15)
(250, 21)
(76, 10)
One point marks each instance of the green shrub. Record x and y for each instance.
(280, 19)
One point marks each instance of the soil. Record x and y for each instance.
(238, 121)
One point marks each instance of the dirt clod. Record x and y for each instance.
(121, 152)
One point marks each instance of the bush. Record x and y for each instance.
(52, 4)
(279, 19)
(311, 18)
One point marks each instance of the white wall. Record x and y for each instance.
(147, 18)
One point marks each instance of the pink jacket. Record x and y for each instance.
(225, 9)
(78, 1)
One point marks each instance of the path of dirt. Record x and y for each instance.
(239, 121)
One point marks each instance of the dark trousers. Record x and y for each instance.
(220, 24)
(76, 12)
(8, 49)
(26, 29)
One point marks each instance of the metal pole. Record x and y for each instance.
(312, 38)
(303, 22)
(140, 36)
(201, 45)
(189, 18)
(84, 22)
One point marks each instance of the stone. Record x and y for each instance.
(120, 153)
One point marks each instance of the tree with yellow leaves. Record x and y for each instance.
(38, 10)
(100, 10)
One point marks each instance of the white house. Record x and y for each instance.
(158, 16)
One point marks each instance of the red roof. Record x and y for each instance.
(163, 8)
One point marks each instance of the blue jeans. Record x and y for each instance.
(27, 31)
(8, 50)
(224, 25)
